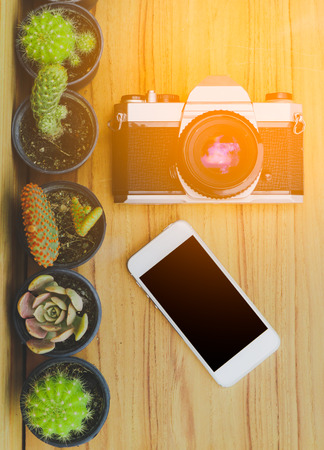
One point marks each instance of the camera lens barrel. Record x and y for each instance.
(220, 154)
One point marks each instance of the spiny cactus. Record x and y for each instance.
(39, 225)
(48, 37)
(48, 88)
(83, 218)
(51, 314)
(86, 42)
(57, 406)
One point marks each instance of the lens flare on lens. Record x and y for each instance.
(222, 155)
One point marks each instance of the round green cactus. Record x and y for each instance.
(58, 405)
(49, 37)
(86, 42)
(48, 88)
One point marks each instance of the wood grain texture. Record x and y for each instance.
(11, 263)
(161, 396)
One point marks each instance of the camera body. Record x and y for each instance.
(218, 147)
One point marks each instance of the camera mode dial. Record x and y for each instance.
(133, 98)
(279, 96)
(168, 98)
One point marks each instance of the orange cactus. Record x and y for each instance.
(39, 225)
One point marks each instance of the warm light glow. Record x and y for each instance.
(222, 155)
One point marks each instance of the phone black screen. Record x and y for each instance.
(203, 303)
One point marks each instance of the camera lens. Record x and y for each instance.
(220, 154)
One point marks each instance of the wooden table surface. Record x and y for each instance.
(161, 395)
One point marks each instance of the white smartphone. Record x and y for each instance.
(200, 299)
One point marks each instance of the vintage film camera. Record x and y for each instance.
(218, 147)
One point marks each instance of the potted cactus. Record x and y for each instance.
(63, 223)
(58, 312)
(39, 225)
(61, 33)
(55, 130)
(65, 402)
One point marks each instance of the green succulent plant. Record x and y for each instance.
(83, 217)
(39, 225)
(49, 37)
(57, 405)
(86, 42)
(48, 88)
(51, 313)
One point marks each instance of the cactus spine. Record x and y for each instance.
(48, 37)
(86, 42)
(57, 405)
(39, 225)
(48, 88)
(83, 218)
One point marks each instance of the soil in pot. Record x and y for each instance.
(93, 383)
(72, 246)
(81, 24)
(65, 151)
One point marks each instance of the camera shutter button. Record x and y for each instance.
(151, 96)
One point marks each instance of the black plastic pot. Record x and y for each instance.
(77, 78)
(92, 307)
(99, 229)
(80, 111)
(85, 3)
(94, 382)
(89, 4)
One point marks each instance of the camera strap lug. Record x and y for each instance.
(300, 124)
(119, 119)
